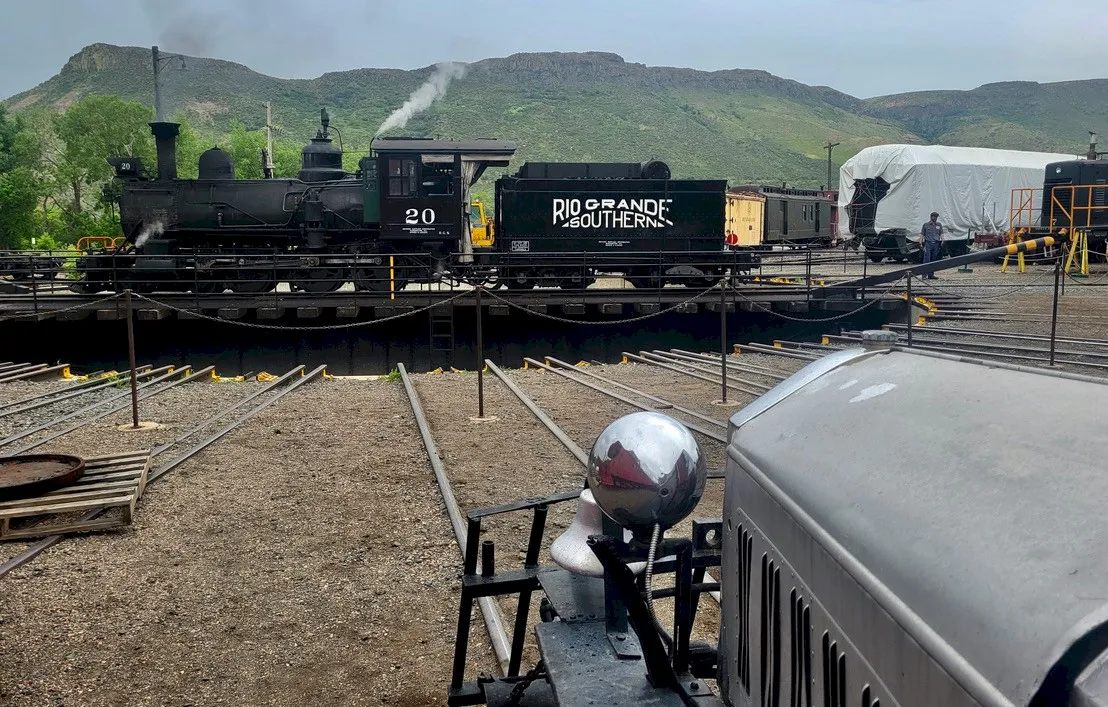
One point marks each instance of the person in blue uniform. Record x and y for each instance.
(932, 236)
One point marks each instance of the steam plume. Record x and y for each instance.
(422, 98)
(155, 229)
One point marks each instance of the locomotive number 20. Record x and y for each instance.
(417, 216)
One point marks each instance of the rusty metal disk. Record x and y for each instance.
(33, 474)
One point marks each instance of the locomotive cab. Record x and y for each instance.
(424, 190)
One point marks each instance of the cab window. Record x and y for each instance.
(475, 215)
(437, 177)
(402, 177)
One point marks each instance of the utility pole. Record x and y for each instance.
(267, 163)
(830, 146)
(160, 59)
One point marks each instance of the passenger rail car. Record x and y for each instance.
(767, 216)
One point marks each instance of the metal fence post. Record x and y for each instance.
(1054, 310)
(723, 335)
(131, 360)
(480, 358)
(911, 314)
(808, 274)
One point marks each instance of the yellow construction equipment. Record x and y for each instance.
(480, 226)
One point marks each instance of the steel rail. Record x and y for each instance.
(629, 389)
(1006, 335)
(737, 365)
(48, 542)
(185, 456)
(984, 355)
(806, 345)
(11, 365)
(642, 357)
(34, 373)
(88, 408)
(992, 345)
(42, 400)
(490, 610)
(701, 366)
(19, 369)
(759, 348)
(226, 411)
(661, 362)
(116, 408)
(538, 412)
(711, 434)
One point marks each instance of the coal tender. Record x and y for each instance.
(631, 218)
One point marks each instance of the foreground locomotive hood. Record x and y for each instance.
(944, 521)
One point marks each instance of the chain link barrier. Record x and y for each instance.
(54, 312)
(1036, 281)
(629, 320)
(886, 295)
(1091, 283)
(193, 314)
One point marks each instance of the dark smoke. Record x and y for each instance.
(209, 28)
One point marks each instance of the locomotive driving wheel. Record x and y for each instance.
(318, 281)
(375, 278)
(251, 281)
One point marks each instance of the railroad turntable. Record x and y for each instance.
(317, 549)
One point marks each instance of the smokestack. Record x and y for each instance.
(1092, 146)
(165, 139)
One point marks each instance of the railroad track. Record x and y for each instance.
(509, 651)
(184, 446)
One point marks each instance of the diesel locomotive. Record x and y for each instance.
(915, 570)
(406, 215)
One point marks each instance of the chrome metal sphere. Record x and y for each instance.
(646, 468)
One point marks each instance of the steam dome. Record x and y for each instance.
(216, 164)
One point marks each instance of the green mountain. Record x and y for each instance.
(740, 125)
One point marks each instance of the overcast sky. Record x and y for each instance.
(861, 47)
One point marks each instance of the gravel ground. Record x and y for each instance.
(288, 564)
(1082, 314)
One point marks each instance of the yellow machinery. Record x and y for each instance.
(745, 218)
(480, 226)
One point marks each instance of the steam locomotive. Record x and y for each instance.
(406, 215)
(915, 571)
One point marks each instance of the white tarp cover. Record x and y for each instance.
(970, 187)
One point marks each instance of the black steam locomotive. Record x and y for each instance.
(406, 215)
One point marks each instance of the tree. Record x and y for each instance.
(189, 148)
(246, 148)
(94, 129)
(19, 190)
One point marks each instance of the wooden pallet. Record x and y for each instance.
(110, 481)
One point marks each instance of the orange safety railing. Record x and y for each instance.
(1024, 208)
(1078, 216)
(1027, 204)
(1072, 216)
(86, 243)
